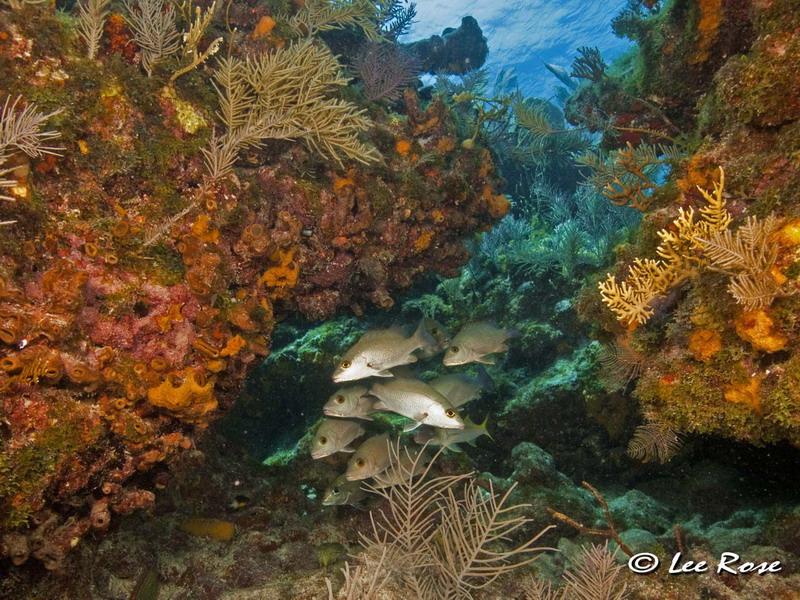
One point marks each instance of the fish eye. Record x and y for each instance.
(346, 364)
(323, 440)
(450, 413)
(454, 349)
(360, 462)
(340, 399)
(335, 490)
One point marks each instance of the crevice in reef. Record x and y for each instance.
(203, 207)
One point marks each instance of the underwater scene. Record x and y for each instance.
(395, 300)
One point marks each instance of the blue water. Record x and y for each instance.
(525, 34)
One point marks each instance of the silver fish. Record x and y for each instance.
(416, 400)
(439, 335)
(475, 342)
(409, 464)
(460, 388)
(378, 351)
(335, 435)
(371, 458)
(342, 491)
(350, 402)
(450, 438)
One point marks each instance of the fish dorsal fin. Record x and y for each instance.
(422, 337)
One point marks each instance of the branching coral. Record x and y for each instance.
(439, 536)
(283, 95)
(192, 56)
(21, 130)
(596, 575)
(748, 256)
(679, 257)
(91, 22)
(154, 30)
(395, 17)
(626, 176)
(18, 4)
(324, 15)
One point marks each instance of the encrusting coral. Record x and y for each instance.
(712, 315)
(136, 291)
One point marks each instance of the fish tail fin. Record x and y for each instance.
(484, 379)
(484, 428)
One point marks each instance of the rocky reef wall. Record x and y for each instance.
(137, 287)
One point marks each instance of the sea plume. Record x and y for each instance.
(439, 537)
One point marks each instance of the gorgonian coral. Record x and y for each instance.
(385, 69)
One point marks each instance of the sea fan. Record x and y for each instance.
(385, 70)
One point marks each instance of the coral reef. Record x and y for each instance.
(715, 363)
(136, 291)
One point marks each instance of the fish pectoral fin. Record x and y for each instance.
(348, 449)
(472, 443)
(454, 448)
(384, 373)
(379, 405)
(411, 426)
(485, 360)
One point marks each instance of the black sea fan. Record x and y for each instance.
(385, 69)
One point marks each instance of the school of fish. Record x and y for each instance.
(431, 407)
